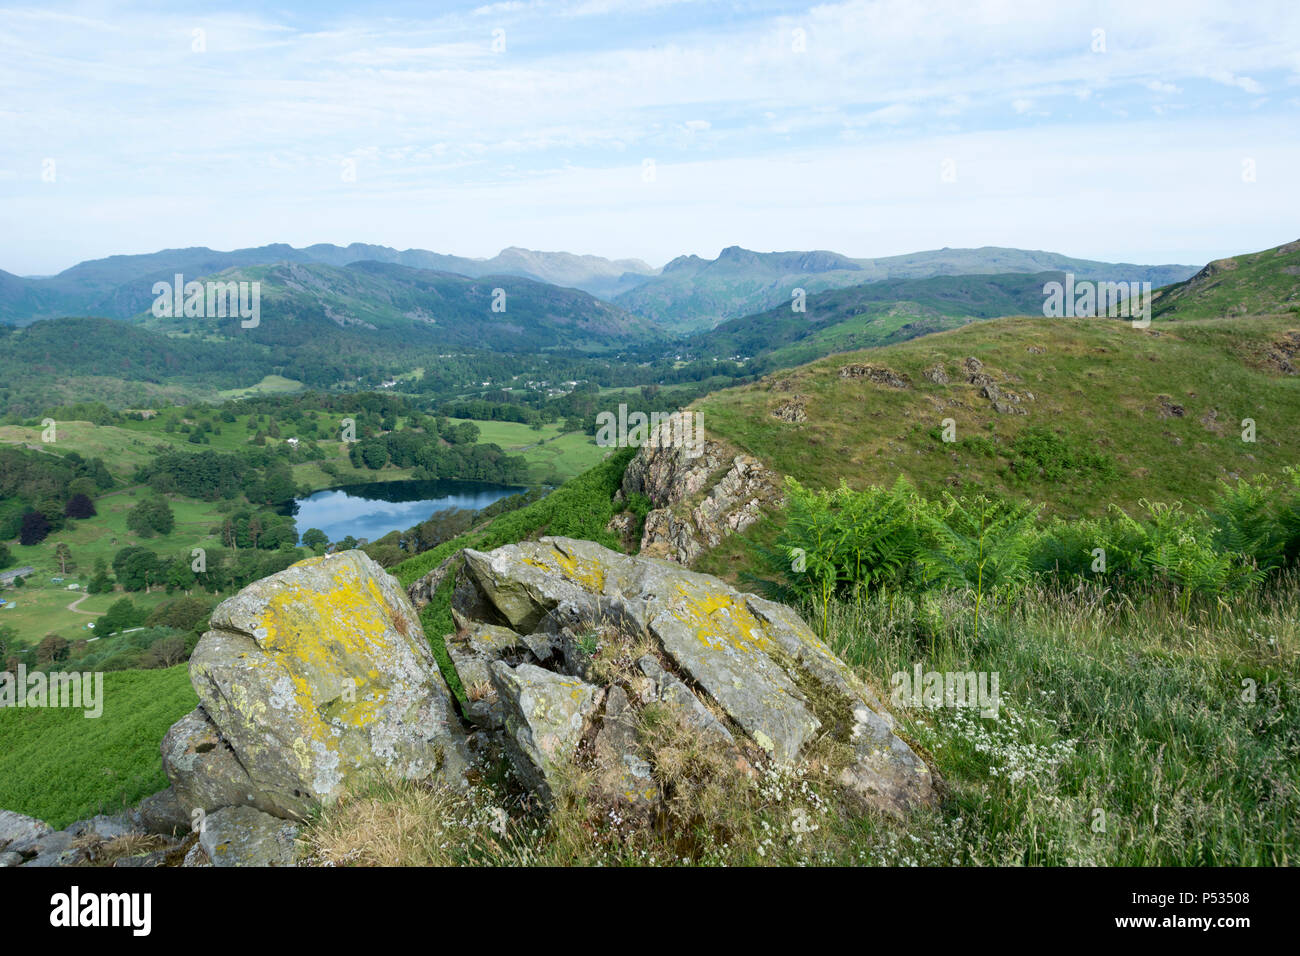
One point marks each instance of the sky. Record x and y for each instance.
(1135, 131)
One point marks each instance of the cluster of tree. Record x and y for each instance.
(262, 477)
(40, 492)
(151, 516)
(258, 529)
(126, 636)
(136, 568)
(497, 408)
(432, 458)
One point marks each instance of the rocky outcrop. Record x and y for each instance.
(878, 374)
(697, 500)
(421, 591)
(741, 672)
(308, 677)
(792, 411)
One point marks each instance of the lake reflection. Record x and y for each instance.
(372, 511)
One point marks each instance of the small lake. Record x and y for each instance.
(371, 511)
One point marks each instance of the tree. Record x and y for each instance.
(183, 613)
(63, 554)
(167, 652)
(34, 528)
(122, 614)
(52, 648)
(6, 556)
(151, 516)
(316, 539)
(80, 506)
(135, 568)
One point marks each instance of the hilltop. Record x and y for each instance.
(1080, 413)
(1253, 284)
(397, 304)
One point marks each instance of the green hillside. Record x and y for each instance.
(59, 766)
(1126, 413)
(395, 304)
(119, 286)
(877, 313)
(1254, 284)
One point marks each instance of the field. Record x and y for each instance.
(551, 453)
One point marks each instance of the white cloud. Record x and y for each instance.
(139, 121)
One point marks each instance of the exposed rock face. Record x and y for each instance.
(793, 411)
(937, 374)
(545, 716)
(878, 374)
(744, 672)
(1168, 408)
(693, 509)
(25, 841)
(1281, 353)
(308, 676)
(17, 830)
(204, 772)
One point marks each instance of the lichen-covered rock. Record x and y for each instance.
(243, 836)
(667, 689)
(57, 848)
(694, 509)
(755, 662)
(322, 671)
(103, 827)
(545, 716)
(793, 411)
(205, 773)
(878, 374)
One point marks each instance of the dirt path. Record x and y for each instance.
(73, 606)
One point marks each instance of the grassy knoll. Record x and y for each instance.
(1163, 405)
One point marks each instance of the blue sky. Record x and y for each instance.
(1148, 132)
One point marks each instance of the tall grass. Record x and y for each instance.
(1130, 731)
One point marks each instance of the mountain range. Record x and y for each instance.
(691, 293)
(688, 294)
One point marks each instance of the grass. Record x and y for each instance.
(1129, 708)
(553, 455)
(61, 767)
(42, 604)
(271, 384)
(1099, 379)
(1253, 283)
